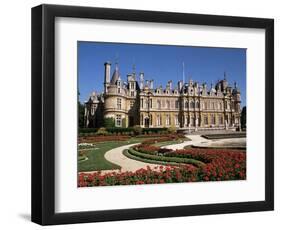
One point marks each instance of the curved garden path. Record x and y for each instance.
(117, 157)
(197, 140)
(194, 140)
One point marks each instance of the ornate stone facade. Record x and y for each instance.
(188, 105)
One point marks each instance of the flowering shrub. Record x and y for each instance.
(156, 175)
(220, 164)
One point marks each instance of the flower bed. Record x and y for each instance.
(218, 164)
(102, 139)
(158, 175)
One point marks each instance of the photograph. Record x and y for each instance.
(156, 114)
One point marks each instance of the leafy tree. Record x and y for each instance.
(243, 117)
(109, 122)
(81, 109)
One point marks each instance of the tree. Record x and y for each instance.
(243, 118)
(81, 109)
(109, 122)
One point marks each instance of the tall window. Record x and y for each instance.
(118, 120)
(168, 104)
(150, 119)
(192, 104)
(206, 120)
(159, 104)
(150, 103)
(158, 120)
(186, 104)
(213, 119)
(206, 105)
(186, 120)
(220, 106)
(146, 103)
(177, 104)
(118, 90)
(119, 101)
(142, 103)
(221, 120)
(141, 119)
(197, 104)
(132, 93)
(168, 121)
(177, 120)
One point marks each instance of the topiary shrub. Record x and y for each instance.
(102, 131)
(172, 129)
(137, 130)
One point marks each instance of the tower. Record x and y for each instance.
(141, 80)
(107, 66)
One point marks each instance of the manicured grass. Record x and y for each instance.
(96, 160)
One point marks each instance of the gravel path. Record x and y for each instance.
(199, 141)
(116, 156)
(194, 140)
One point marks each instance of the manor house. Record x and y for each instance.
(186, 105)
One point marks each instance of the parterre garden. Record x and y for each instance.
(185, 165)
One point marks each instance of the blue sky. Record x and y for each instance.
(160, 63)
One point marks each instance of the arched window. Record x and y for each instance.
(150, 119)
(186, 104)
(192, 104)
(197, 105)
(168, 104)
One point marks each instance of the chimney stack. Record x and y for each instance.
(180, 84)
(151, 84)
(141, 80)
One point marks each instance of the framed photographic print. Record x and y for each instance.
(142, 114)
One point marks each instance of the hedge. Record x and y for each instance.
(122, 130)
(131, 156)
(165, 159)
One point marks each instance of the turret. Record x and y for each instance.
(107, 66)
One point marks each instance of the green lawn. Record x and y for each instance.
(96, 160)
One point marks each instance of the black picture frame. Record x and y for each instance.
(43, 114)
